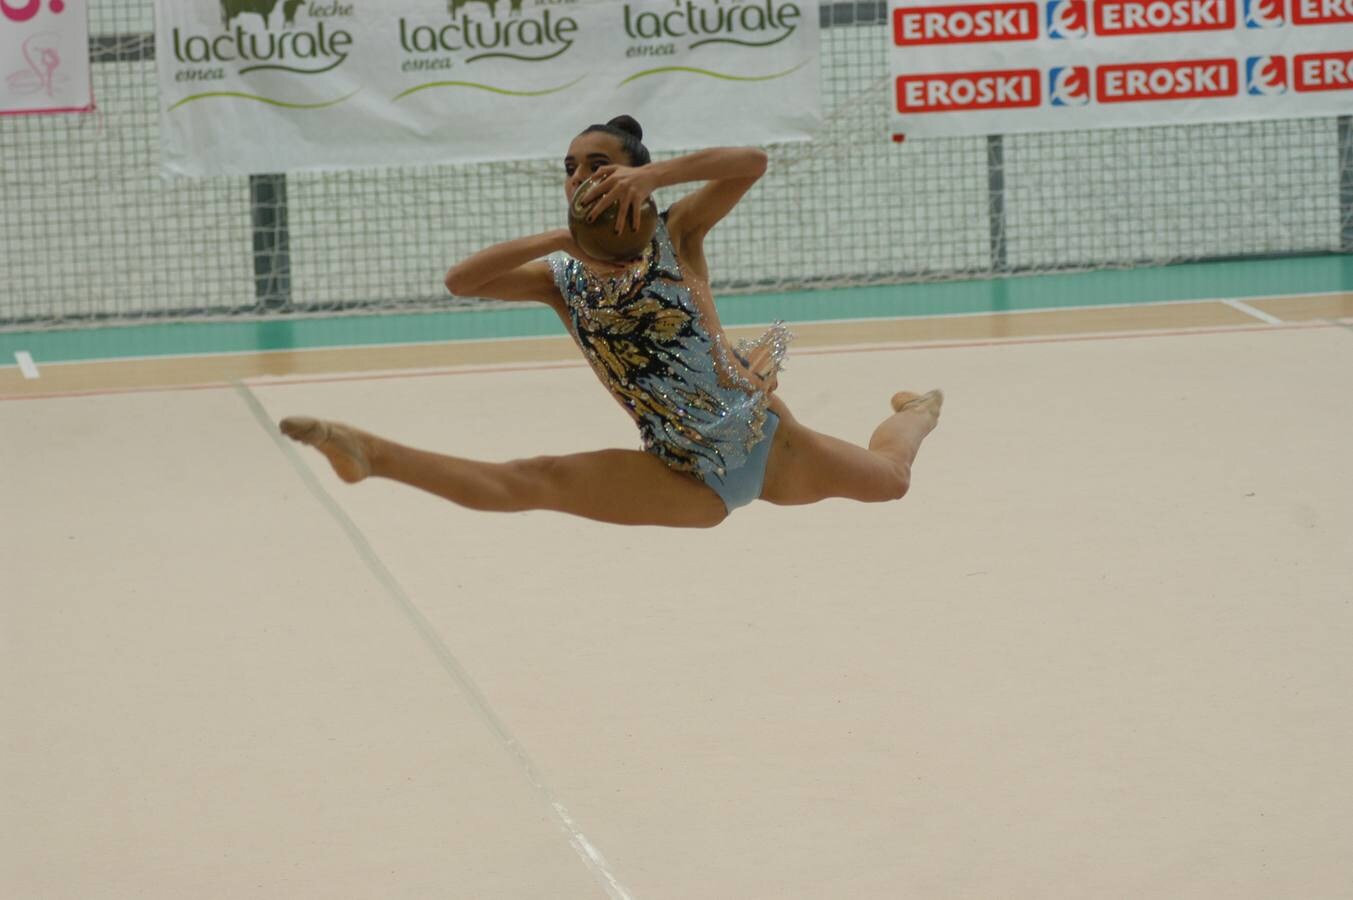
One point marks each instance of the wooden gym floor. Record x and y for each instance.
(1101, 650)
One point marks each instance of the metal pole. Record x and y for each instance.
(996, 201)
(1346, 183)
(272, 241)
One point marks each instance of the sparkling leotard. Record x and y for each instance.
(645, 337)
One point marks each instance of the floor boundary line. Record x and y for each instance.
(586, 850)
(1242, 306)
(471, 369)
(24, 360)
(1126, 304)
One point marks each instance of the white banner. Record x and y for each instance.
(974, 67)
(275, 85)
(44, 57)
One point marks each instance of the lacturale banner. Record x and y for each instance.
(44, 57)
(275, 85)
(1001, 66)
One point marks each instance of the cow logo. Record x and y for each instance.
(697, 23)
(477, 32)
(732, 35)
(509, 32)
(1266, 76)
(263, 36)
(1264, 14)
(1069, 85)
(264, 9)
(1068, 19)
(455, 6)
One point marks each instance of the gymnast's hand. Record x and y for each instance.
(761, 368)
(630, 187)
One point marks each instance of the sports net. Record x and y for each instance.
(92, 232)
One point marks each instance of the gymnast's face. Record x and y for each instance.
(590, 152)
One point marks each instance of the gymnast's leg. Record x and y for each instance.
(806, 466)
(623, 487)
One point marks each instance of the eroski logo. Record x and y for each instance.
(1124, 17)
(1181, 80)
(1324, 71)
(1069, 85)
(948, 91)
(1266, 76)
(1322, 12)
(1068, 19)
(965, 23)
(1264, 14)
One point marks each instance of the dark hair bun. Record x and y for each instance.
(628, 124)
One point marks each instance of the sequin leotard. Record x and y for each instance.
(647, 340)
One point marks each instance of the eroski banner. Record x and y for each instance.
(975, 67)
(44, 57)
(251, 86)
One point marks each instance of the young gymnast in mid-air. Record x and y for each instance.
(715, 436)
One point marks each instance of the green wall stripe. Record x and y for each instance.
(1202, 281)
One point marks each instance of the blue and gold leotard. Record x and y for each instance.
(647, 340)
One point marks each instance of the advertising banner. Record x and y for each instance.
(973, 67)
(252, 86)
(44, 57)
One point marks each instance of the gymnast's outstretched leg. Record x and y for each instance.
(623, 487)
(806, 466)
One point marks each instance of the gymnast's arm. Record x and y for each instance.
(728, 173)
(512, 270)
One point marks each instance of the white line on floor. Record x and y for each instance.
(270, 381)
(26, 364)
(585, 849)
(562, 337)
(1248, 310)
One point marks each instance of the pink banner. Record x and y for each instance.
(974, 67)
(44, 57)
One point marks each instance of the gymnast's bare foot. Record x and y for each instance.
(348, 449)
(931, 402)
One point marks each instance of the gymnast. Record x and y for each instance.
(715, 435)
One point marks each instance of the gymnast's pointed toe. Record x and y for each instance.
(903, 400)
